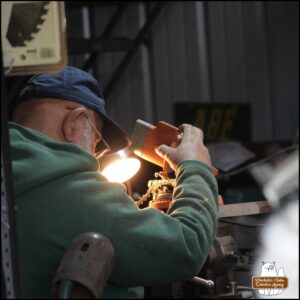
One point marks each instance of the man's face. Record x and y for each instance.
(63, 120)
(86, 138)
(90, 135)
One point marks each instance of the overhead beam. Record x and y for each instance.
(128, 57)
(106, 33)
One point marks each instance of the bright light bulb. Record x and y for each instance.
(121, 170)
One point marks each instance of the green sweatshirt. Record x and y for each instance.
(60, 194)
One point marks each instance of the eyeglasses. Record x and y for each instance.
(102, 146)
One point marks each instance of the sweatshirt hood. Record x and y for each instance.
(38, 159)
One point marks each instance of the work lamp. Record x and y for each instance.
(119, 166)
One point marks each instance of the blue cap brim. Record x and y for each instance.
(116, 138)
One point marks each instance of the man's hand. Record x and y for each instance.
(190, 147)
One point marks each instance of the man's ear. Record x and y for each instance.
(71, 124)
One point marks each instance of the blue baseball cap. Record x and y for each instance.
(79, 86)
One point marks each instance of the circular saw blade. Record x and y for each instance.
(25, 20)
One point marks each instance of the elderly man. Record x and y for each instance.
(59, 129)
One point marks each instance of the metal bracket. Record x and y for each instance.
(9, 260)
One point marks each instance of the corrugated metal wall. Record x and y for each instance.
(254, 57)
(132, 96)
(242, 52)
